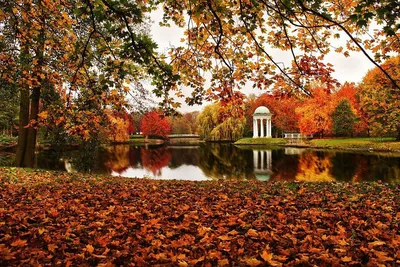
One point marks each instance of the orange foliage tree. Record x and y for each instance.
(314, 113)
(380, 99)
(120, 126)
(154, 123)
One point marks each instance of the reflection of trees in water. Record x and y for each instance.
(345, 165)
(118, 158)
(284, 166)
(184, 156)
(315, 166)
(226, 161)
(377, 167)
(154, 159)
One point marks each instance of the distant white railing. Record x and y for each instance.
(296, 136)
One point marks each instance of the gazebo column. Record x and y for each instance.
(262, 127)
(256, 128)
(269, 128)
(255, 159)
(262, 160)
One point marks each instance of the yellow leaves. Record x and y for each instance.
(89, 248)
(43, 115)
(267, 256)
(41, 230)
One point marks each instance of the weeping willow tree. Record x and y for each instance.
(219, 122)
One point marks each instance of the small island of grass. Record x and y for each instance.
(267, 141)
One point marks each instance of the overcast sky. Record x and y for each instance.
(350, 69)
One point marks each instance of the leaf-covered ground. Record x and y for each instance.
(52, 219)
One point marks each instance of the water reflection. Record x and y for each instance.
(262, 162)
(225, 161)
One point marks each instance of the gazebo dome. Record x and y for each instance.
(262, 110)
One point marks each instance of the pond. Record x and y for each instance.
(226, 161)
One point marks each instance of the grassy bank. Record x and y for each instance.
(54, 218)
(376, 144)
(261, 141)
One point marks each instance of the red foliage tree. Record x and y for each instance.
(153, 123)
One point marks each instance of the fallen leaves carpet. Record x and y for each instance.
(60, 219)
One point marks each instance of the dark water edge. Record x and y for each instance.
(224, 161)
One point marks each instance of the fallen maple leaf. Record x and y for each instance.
(382, 256)
(346, 259)
(90, 248)
(376, 243)
(51, 247)
(224, 238)
(267, 256)
(223, 262)
(18, 243)
(252, 262)
(182, 264)
(252, 233)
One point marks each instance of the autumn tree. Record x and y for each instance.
(120, 126)
(343, 119)
(314, 113)
(232, 41)
(90, 52)
(219, 122)
(180, 125)
(380, 99)
(154, 123)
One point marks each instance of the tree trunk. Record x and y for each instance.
(398, 134)
(23, 115)
(29, 158)
(28, 141)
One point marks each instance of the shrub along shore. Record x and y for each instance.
(355, 144)
(56, 218)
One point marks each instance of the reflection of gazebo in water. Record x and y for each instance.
(262, 164)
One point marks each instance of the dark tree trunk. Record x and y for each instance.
(29, 158)
(23, 115)
(398, 134)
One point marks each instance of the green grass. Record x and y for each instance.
(261, 141)
(380, 144)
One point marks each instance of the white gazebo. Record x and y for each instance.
(261, 115)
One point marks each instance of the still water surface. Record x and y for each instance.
(226, 161)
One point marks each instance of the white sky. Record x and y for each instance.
(351, 69)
